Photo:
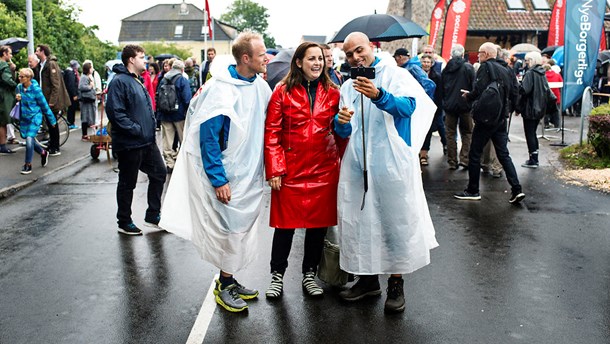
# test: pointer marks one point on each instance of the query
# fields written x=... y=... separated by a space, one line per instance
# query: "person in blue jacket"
x=403 y=59
x=33 y=106
x=129 y=109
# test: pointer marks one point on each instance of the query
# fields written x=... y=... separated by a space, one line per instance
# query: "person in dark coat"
x=458 y=75
x=129 y=109
x=54 y=90
x=532 y=104
x=71 y=79
x=172 y=123
x=496 y=132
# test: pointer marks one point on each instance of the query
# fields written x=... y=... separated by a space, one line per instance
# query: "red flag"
x=602 y=42
x=556 y=25
x=435 y=22
x=208 y=18
x=456 y=26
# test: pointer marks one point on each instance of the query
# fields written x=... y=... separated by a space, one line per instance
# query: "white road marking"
x=200 y=328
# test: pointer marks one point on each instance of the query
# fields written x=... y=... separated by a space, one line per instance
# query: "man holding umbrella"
x=390 y=231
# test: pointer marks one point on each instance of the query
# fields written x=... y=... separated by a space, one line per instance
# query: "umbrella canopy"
x=381 y=28
x=279 y=67
x=550 y=50
x=164 y=57
x=15 y=43
x=524 y=48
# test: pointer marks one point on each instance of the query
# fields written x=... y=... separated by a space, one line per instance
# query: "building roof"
x=494 y=15
x=159 y=23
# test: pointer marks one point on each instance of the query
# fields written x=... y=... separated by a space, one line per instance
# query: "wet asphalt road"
x=534 y=273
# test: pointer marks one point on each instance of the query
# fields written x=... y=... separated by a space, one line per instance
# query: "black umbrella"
x=279 y=67
x=550 y=50
x=381 y=28
x=15 y=43
x=164 y=57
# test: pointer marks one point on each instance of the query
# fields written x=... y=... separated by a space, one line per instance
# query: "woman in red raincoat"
x=302 y=163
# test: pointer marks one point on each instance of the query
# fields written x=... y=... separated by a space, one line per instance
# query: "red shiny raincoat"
x=302 y=147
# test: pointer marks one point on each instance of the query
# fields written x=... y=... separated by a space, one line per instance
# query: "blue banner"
x=583 y=27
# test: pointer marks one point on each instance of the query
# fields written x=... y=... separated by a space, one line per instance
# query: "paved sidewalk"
x=11 y=180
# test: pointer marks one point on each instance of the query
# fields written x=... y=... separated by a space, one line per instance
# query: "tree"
x=247 y=14
x=155 y=49
x=55 y=24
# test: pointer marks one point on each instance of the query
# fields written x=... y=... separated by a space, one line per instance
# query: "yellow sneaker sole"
x=229 y=308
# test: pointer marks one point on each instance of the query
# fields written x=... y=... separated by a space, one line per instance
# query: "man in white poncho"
x=215 y=195
x=389 y=231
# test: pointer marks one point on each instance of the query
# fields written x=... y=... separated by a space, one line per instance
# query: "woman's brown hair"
x=295 y=76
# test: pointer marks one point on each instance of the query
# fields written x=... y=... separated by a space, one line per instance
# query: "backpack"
x=489 y=107
x=167 y=98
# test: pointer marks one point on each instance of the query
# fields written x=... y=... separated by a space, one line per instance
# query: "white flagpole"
x=205 y=44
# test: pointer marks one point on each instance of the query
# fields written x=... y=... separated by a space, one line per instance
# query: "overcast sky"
x=288 y=20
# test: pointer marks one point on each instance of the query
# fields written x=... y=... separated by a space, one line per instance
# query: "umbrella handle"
x=364 y=171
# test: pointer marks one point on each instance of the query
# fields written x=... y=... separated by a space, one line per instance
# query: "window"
x=178 y=31
x=541 y=5
x=515 y=5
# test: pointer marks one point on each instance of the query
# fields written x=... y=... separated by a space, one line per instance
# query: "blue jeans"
x=499 y=137
x=30 y=146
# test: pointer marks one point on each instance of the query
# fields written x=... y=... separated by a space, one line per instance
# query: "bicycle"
x=43 y=133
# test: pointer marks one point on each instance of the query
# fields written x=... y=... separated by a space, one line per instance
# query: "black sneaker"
x=44 y=158
x=129 y=229
x=516 y=197
x=153 y=222
x=465 y=195
x=54 y=152
x=395 y=303
x=530 y=164
x=26 y=169
x=366 y=286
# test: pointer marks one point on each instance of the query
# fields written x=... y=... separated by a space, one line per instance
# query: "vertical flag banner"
x=208 y=20
x=602 y=43
x=583 y=28
x=556 y=25
x=435 y=22
x=456 y=26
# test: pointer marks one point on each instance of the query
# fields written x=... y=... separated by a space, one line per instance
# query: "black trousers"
x=529 y=128
x=148 y=160
x=282 y=243
x=71 y=115
x=53 y=133
x=499 y=137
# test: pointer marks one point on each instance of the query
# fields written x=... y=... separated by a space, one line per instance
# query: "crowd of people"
x=224 y=132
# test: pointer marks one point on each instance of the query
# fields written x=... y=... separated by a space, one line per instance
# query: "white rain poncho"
x=225 y=235
x=393 y=234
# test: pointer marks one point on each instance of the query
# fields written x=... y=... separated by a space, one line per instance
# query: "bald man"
x=390 y=231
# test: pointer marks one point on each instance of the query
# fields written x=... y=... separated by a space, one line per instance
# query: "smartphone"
x=367 y=72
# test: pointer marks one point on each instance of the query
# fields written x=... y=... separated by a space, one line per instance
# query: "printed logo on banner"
x=459 y=7
x=438 y=13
